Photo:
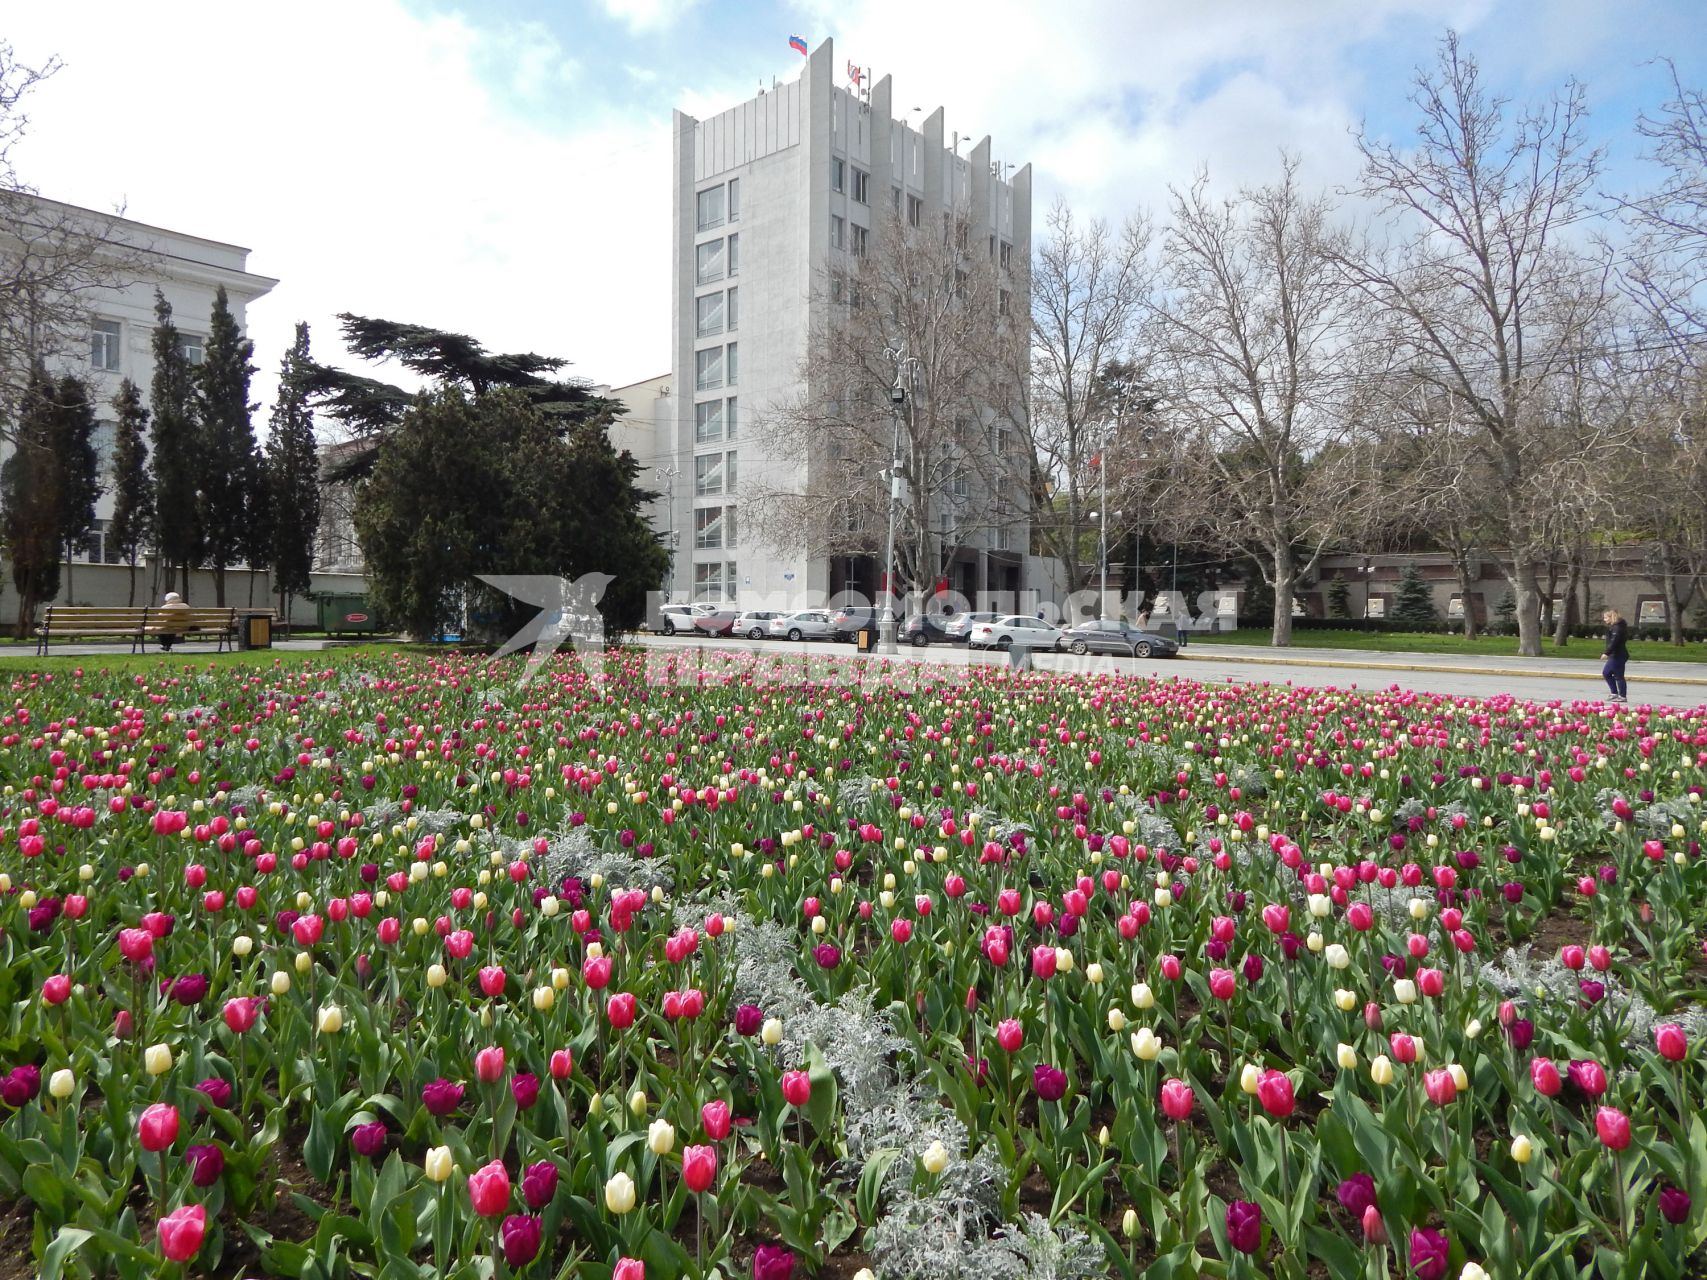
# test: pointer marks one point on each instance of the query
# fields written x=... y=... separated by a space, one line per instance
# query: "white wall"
x=109 y=584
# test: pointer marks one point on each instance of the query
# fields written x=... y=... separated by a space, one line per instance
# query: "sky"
x=502 y=168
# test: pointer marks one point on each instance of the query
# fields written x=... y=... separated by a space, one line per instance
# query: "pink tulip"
x=1177 y=1099
x=489 y=1189
x=181 y=1232
x=1671 y=1042
x=1613 y=1126
x=699 y=1168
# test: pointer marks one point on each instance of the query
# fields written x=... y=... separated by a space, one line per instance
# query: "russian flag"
x=798 y=44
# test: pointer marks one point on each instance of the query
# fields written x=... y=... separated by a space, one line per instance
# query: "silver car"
x=1014 y=632
x=808 y=624
x=755 y=624
x=959 y=627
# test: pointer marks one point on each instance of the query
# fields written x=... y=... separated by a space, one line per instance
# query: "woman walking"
x=1617 y=654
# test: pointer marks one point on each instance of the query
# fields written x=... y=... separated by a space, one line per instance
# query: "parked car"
x=1114 y=636
x=1015 y=631
x=922 y=629
x=680 y=616
x=958 y=629
x=808 y=624
x=755 y=624
x=719 y=620
x=849 y=622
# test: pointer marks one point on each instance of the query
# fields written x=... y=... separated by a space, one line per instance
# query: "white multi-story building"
x=765 y=193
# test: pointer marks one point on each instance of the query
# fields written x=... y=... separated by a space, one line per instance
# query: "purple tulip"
x=206 y=1164
x=1674 y=1205
x=520 y=1236
x=1429 y=1251
x=368 y=1139
x=216 y=1091
x=827 y=956
x=773 y=1262
x=1356 y=1194
x=23 y=1084
x=1050 y=1082
x=1522 y=1034
x=441 y=1097
x=748 y=1019
x=539 y=1184
x=524 y=1087
x=1244 y=1226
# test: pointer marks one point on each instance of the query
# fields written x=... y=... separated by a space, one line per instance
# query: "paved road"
x=1540 y=679
x=1543 y=679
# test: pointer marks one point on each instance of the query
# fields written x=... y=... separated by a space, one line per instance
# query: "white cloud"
x=363 y=155
x=648 y=15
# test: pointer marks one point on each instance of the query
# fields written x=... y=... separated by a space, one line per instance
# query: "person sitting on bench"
x=173 y=605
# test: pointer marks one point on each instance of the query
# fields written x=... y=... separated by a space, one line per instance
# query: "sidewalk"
x=1559 y=667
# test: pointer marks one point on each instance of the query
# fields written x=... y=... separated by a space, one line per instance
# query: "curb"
x=1417 y=666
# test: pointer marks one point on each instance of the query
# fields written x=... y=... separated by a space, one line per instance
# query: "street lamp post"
x=668 y=476
x=904 y=365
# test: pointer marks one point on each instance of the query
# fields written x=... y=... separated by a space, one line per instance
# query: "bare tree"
x=1090 y=289
x=1666 y=262
x=53 y=257
x=1489 y=297
x=1258 y=361
x=925 y=313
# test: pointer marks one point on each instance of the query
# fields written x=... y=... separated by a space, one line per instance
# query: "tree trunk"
x=1285 y=574
x=1568 y=613
x=219 y=585
x=1674 y=603
x=1526 y=592
x=184 y=570
x=130 y=596
x=251 y=588
x=70 y=582
x=1461 y=562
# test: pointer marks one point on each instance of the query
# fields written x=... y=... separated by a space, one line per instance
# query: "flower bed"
x=394 y=969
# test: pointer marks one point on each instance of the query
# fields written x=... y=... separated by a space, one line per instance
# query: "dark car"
x=1107 y=636
x=849 y=622
x=922 y=629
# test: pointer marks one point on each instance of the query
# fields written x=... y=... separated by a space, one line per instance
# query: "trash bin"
x=255 y=631
x=345 y=612
x=866 y=639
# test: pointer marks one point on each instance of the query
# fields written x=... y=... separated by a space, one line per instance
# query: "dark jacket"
x=1616 y=635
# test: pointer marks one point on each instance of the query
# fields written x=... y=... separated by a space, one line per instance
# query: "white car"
x=679 y=617
x=1014 y=632
x=755 y=623
x=808 y=624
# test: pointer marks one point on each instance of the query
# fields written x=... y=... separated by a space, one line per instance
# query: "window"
x=732 y=311
x=734 y=254
x=104 y=344
x=962 y=485
x=729 y=418
x=709 y=314
x=730 y=364
x=734 y=199
x=710 y=208
x=715 y=581
x=1004 y=302
x=729 y=471
x=1007 y=255
x=1003 y=442
x=1003 y=537
x=708 y=368
x=861 y=186
x=915 y=211
x=838 y=289
x=992 y=248
x=708 y=475
x=708 y=422
x=838 y=180
x=710 y=261
x=729 y=527
x=708 y=528
x=960 y=234
x=859 y=241
x=838 y=232
x=190 y=344
x=896 y=193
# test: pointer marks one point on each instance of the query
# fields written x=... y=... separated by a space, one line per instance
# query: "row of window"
x=717 y=312
x=717 y=258
x=715 y=367
x=843 y=236
x=715 y=581
x=716 y=205
x=714 y=528
x=714 y=420
x=839 y=171
x=714 y=474
x=106 y=348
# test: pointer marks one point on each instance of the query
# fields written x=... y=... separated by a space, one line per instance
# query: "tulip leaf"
x=871 y=1179
x=66 y=1243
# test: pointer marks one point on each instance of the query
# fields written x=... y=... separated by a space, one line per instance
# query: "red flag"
x=1097 y=461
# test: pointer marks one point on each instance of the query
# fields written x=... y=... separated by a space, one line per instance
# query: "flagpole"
x=1102 y=530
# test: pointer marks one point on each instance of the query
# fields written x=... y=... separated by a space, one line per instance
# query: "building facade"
x=768 y=196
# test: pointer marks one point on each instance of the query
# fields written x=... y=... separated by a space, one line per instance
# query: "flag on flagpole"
x=798 y=44
x=1097 y=461
x=855 y=73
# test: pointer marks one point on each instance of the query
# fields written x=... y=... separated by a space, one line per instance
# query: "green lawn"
x=120 y=660
x=1434 y=642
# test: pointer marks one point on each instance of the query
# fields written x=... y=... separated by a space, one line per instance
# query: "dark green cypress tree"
x=133 y=498
x=1339 y=597
x=228 y=441
x=293 y=476
x=175 y=455
x=30 y=501
x=79 y=467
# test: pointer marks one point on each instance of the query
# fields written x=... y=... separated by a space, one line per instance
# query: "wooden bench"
x=137 y=623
